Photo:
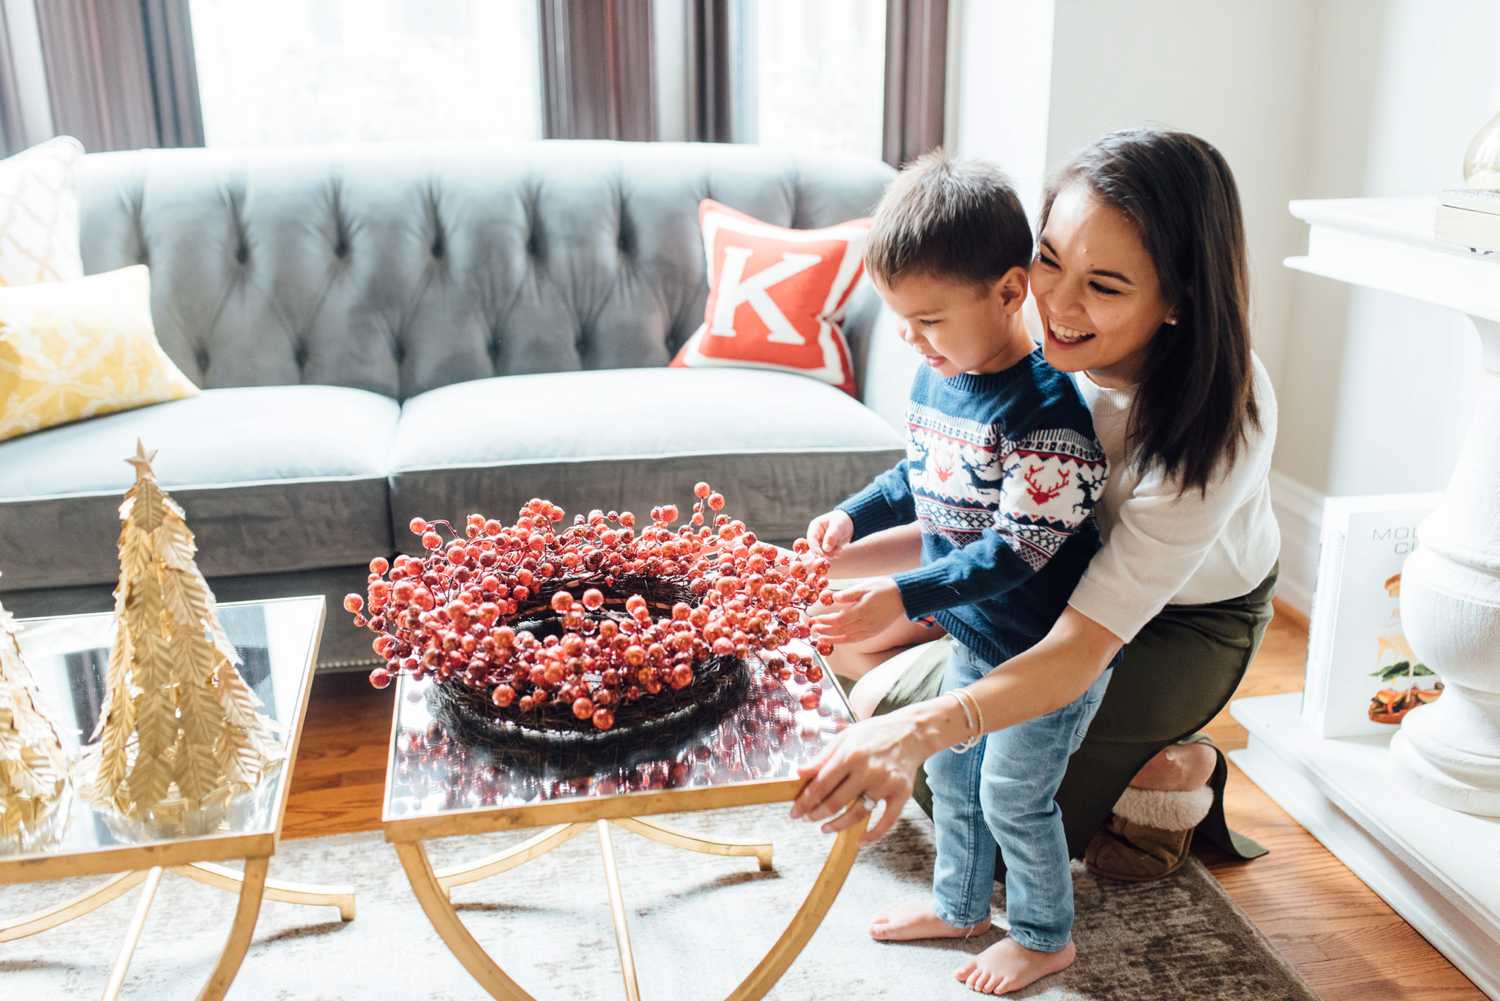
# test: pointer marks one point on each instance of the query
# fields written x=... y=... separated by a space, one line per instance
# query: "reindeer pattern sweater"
x=1002 y=470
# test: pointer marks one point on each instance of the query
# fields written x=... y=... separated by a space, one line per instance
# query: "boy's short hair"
x=959 y=220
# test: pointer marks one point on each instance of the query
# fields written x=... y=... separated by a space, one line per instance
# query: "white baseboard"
x=1433 y=866
x=1299 y=512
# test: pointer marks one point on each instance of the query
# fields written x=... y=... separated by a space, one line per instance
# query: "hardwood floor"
x=339 y=775
x=1337 y=933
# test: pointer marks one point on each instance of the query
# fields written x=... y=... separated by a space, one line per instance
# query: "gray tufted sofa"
x=383 y=332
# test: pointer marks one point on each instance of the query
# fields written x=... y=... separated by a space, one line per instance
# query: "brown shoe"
x=1149 y=834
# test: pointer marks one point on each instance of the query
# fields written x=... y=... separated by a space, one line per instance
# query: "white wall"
x=1375 y=389
x=1003 y=82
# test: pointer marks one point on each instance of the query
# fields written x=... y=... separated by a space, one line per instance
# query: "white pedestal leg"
x=1450 y=612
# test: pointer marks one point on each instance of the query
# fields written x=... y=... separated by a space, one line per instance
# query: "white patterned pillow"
x=39 y=214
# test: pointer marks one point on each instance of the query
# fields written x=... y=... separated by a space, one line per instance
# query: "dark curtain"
x=916 y=57
x=174 y=72
x=120 y=73
x=23 y=113
x=596 y=69
x=12 y=138
x=708 y=81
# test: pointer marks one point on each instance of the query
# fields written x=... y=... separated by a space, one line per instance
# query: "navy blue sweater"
x=1002 y=470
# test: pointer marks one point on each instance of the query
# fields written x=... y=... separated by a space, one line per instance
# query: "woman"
x=1140 y=282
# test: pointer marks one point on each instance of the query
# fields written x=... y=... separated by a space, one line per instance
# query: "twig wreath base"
x=719 y=684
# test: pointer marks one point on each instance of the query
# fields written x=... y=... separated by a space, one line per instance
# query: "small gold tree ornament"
x=180 y=737
x=33 y=764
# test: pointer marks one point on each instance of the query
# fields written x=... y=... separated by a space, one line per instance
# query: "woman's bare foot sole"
x=917 y=921
x=1009 y=966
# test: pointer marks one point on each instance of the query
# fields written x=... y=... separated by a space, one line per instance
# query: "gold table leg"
x=223 y=878
x=80 y=905
x=132 y=935
x=617 y=912
x=252 y=886
x=472 y=872
x=807 y=919
x=761 y=850
x=445 y=921
x=432 y=893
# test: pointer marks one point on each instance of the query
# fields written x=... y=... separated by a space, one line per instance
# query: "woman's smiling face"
x=1096 y=289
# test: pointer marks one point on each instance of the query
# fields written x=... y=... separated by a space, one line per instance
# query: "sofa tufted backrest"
x=400 y=269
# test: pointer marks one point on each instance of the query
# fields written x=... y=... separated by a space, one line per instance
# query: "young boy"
x=1001 y=473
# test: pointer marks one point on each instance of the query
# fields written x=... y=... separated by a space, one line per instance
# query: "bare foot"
x=913 y=921
x=1009 y=966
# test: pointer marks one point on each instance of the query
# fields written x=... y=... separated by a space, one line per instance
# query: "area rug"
x=699 y=923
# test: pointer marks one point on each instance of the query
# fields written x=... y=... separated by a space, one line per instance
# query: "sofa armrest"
x=883 y=365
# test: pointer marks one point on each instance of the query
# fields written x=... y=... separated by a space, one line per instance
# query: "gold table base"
x=433 y=889
x=251 y=885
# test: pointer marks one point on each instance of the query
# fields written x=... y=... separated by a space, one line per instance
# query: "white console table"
x=1416 y=816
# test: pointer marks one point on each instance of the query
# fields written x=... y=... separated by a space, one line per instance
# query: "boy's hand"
x=830 y=532
x=860 y=612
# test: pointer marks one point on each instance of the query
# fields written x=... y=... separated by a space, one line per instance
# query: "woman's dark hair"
x=1196 y=393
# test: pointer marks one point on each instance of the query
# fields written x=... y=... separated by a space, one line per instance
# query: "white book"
x=1362 y=676
x=1479 y=231
x=1472 y=200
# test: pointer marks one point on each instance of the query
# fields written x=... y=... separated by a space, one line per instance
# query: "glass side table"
x=68 y=656
x=439 y=785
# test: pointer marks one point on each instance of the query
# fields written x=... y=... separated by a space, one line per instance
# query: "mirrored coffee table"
x=68 y=656
x=438 y=785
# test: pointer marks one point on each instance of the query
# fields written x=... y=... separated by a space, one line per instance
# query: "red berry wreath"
x=568 y=629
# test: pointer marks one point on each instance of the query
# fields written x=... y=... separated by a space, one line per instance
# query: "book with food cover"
x=1362 y=676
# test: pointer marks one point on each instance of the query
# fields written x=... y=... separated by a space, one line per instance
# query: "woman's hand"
x=860 y=612
x=831 y=532
x=876 y=758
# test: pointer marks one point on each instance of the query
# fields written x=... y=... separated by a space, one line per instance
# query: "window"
x=277 y=72
x=816 y=76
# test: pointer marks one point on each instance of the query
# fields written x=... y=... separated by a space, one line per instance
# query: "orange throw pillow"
x=776 y=295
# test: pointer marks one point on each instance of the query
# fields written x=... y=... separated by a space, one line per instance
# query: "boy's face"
x=956 y=326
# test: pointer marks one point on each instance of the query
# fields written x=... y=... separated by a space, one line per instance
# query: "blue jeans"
x=1001 y=793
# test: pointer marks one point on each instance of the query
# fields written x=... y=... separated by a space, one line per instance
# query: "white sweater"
x=1162 y=549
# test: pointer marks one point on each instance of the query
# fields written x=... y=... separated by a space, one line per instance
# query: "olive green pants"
x=1176 y=675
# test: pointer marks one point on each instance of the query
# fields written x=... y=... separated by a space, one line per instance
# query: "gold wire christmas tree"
x=180 y=731
x=33 y=765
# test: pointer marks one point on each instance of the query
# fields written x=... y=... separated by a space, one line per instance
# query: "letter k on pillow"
x=776 y=295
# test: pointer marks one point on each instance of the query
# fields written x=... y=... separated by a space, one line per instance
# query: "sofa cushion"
x=272 y=479
x=39 y=213
x=782 y=448
x=777 y=296
x=70 y=350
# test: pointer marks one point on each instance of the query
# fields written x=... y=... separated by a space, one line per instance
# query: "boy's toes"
x=962 y=973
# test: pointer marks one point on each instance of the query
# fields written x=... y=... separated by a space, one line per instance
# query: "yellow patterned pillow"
x=39 y=214
x=70 y=350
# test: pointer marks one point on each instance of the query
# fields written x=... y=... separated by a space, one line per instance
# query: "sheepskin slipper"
x=1149 y=834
